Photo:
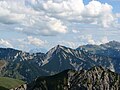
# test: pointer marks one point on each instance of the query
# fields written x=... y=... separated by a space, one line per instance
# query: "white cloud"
x=75 y=31
x=25 y=17
x=8 y=15
x=64 y=6
x=28 y=43
x=118 y=15
x=30 y=40
x=104 y=40
x=99 y=13
x=50 y=17
x=75 y=10
x=45 y=25
x=35 y=41
x=5 y=43
x=89 y=39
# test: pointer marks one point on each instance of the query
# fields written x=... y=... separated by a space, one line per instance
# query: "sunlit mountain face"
x=73 y=43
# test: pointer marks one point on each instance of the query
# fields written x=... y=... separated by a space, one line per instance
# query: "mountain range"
x=28 y=66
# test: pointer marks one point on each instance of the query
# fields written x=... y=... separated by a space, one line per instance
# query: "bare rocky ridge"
x=96 y=78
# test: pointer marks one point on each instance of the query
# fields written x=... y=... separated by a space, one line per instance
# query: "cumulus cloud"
x=75 y=10
x=104 y=40
x=89 y=39
x=75 y=31
x=118 y=15
x=44 y=26
x=30 y=40
x=25 y=17
x=64 y=6
x=28 y=43
x=99 y=13
x=50 y=17
x=5 y=43
x=35 y=41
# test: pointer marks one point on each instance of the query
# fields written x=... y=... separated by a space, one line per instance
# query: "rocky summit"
x=96 y=78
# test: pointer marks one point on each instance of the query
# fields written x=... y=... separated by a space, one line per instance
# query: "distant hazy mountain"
x=111 y=49
x=27 y=66
x=96 y=78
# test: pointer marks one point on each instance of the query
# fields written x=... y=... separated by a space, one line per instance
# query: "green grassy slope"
x=8 y=83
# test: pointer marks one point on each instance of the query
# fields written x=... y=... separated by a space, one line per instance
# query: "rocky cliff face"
x=96 y=78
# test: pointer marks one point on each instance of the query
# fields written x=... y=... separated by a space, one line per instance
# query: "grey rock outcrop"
x=96 y=78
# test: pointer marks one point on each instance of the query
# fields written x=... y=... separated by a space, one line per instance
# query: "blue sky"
x=30 y=24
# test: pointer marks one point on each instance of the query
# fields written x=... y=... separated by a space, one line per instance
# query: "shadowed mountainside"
x=96 y=78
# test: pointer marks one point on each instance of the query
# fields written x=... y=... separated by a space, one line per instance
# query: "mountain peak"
x=56 y=48
x=112 y=44
x=59 y=46
x=114 y=41
x=52 y=52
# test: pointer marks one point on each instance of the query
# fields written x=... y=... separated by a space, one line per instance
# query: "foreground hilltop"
x=8 y=83
x=96 y=78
